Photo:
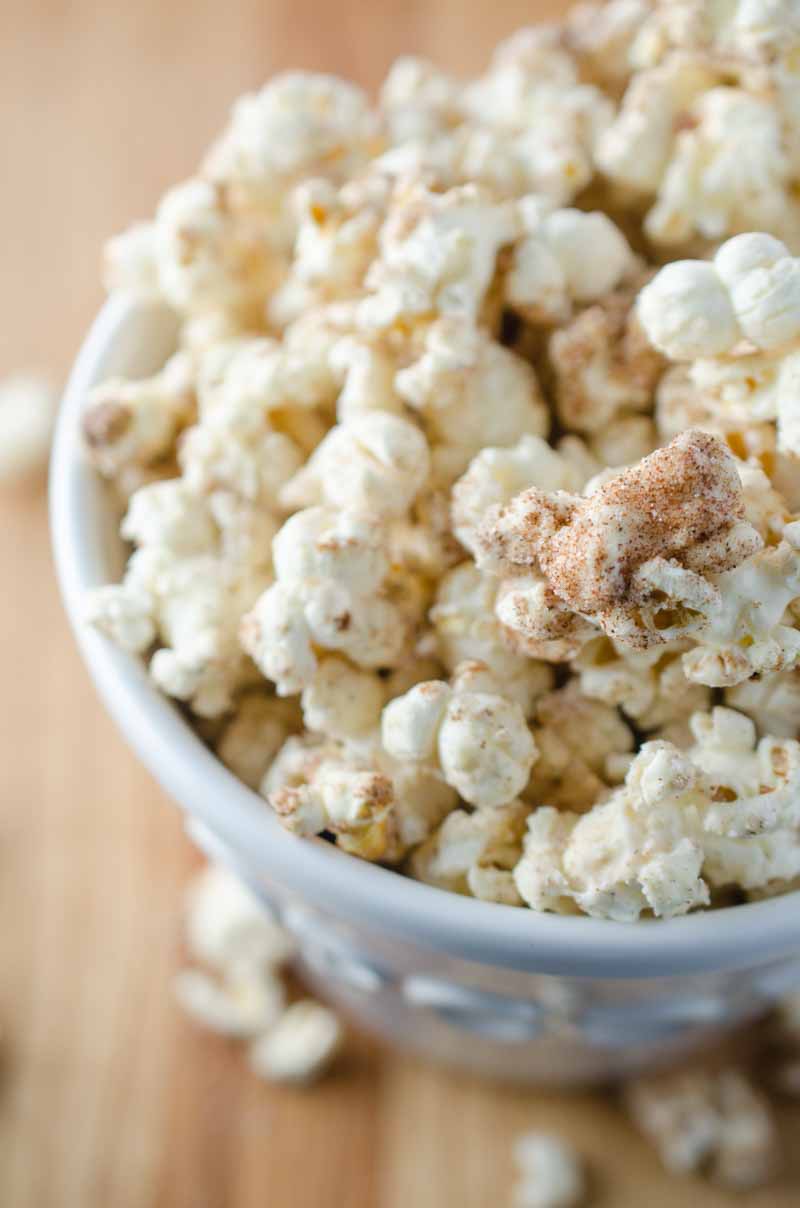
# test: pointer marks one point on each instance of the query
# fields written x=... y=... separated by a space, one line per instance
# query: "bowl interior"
x=133 y=339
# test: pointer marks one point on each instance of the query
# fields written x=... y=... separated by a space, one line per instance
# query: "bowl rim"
x=379 y=898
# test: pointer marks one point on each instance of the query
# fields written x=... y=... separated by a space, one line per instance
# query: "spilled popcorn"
x=27 y=415
x=465 y=516
x=237 y=989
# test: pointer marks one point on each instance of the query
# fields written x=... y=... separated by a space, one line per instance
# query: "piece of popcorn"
x=376 y=807
x=245 y=1004
x=374 y=462
x=566 y=257
x=754 y=787
x=301 y=1045
x=550 y=1172
x=208 y=254
x=707 y=1121
x=123 y=613
x=454 y=386
x=228 y=929
x=28 y=407
x=773 y=702
x=496 y=475
x=634 y=852
x=467 y=630
x=474 y=853
x=532 y=96
x=366 y=371
x=130 y=262
x=601 y=37
x=634 y=150
x=755 y=28
x=438 y=255
x=604 y=366
x=134 y=424
x=578 y=740
x=254 y=734
x=299 y=125
x=649 y=685
x=337 y=238
x=634 y=555
x=418 y=101
x=705 y=128
x=333 y=593
x=672 y=832
x=476 y=737
x=717 y=183
x=188 y=585
x=535 y=623
x=342 y=701
x=423 y=542
x=626 y=440
x=747 y=632
x=747 y=383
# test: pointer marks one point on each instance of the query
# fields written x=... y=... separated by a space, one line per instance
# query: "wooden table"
x=108 y=1098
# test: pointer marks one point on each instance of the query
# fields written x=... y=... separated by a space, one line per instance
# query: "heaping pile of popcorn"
x=465 y=515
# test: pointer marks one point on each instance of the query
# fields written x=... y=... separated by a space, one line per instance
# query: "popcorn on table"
x=27 y=414
x=550 y=1173
x=707 y=1120
x=237 y=990
x=462 y=500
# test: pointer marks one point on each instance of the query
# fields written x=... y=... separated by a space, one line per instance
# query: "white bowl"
x=505 y=990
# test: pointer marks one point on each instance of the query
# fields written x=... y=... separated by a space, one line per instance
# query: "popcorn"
x=467 y=630
x=601 y=36
x=682 y=823
x=436 y=424
x=455 y=385
x=375 y=462
x=705 y=129
x=496 y=475
x=254 y=734
x=604 y=366
x=745 y=635
x=532 y=96
x=133 y=425
x=649 y=685
x=227 y=928
x=27 y=415
x=333 y=592
x=341 y=701
x=755 y=787
x=205 y=257
x=626 y=576
x=130 y=262
x=705 y=1120
x=580 y=743
x=187 y=586
x=551 y=1175
x=474 y=853
x=375 y=806
x=299 y=125
x=301 y=1045
x=245 y=1006
x=773 y=702
x=438 y=255
x=477 y=738
x=566 y=257
x=632 y=853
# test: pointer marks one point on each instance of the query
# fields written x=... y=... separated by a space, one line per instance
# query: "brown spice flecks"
x=682 y=496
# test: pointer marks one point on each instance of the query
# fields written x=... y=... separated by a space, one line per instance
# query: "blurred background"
x=109 y=1097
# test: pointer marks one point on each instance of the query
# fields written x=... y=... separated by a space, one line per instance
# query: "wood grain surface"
x=108 y=1097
